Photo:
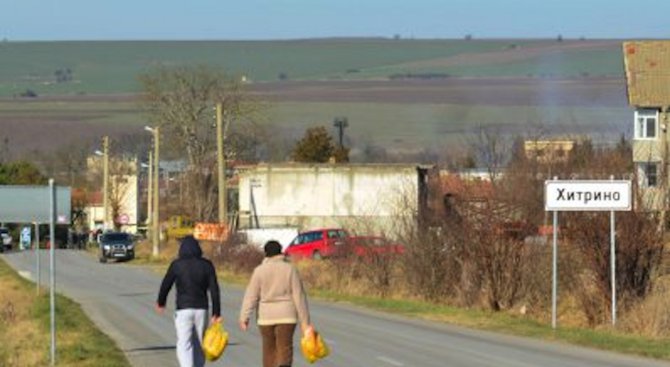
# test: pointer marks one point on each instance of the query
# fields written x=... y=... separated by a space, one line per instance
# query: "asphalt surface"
x=120 y=297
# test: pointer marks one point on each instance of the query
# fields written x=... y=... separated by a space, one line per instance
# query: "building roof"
x=333 y=166
x=465 y=186
x=647 y=66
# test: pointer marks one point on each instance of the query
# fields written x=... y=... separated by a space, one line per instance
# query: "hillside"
x=111 y=67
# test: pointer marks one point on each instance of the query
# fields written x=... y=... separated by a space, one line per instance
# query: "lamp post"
x=155 y=218
x=221 y=166
x=105 y=180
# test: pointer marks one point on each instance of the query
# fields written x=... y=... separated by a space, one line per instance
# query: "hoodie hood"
x=189 y=248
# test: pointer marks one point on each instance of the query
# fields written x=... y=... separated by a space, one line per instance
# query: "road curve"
x=119 y=298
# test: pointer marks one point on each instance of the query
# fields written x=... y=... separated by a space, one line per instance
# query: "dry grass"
x=17 y=328
x=24 y=329
x=651 y=317
x=168 y=251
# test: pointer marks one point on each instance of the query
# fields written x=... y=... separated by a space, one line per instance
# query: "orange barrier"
x=210 y=232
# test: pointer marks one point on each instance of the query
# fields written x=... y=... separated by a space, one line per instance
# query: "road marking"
x=390 y=361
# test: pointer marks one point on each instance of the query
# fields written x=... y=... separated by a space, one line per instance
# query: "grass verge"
x=24 y=329
x=611 y=340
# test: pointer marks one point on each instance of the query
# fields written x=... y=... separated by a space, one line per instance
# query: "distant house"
x=647 y=66
x=360 y=197
x=549 y=150
x=123 y=195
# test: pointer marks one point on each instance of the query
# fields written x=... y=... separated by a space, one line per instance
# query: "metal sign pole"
x=613 y=265
x=52 y=269
x=38 y=272
x=613 y=262
x=554 y=282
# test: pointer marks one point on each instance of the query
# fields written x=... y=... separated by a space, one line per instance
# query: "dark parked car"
x=116 y=245
x=5 y=240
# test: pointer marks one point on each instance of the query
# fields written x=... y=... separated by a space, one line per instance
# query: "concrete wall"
x=363 y=198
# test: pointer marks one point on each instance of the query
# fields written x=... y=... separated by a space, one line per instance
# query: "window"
x=646 y=124
x=110 y=237
x=336 y=233
x=648 y=174
x=311 y=237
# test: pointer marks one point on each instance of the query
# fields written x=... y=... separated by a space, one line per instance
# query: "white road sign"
x=587 y=195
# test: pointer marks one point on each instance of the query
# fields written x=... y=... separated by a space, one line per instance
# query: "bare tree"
x=123 y=174
x=181 y=100
x=492 y=149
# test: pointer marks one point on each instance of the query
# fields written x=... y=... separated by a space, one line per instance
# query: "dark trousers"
x=277 y=345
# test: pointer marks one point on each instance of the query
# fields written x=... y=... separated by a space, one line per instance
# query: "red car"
x=317 y=244
x=329 y=242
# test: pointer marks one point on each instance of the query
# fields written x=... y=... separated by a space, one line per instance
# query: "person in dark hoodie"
x=194 y=276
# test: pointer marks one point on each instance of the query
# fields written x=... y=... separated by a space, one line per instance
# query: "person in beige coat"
x=276 y=293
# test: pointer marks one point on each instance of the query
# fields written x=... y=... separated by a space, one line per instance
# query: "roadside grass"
x=606 y=339
x=25 y=325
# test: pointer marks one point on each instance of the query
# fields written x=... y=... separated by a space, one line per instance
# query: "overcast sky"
x=289 y=19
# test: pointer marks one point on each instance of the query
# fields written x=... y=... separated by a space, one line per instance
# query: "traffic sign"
x=587 y=195
x=123 y=219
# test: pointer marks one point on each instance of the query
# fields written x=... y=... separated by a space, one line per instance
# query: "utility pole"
x=155 y=218
x=221 y=166
x=105 y=183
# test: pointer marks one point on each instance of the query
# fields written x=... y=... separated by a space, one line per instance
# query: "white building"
x=367 y=198
x=123 y=196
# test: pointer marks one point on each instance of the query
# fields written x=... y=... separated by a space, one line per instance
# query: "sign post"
x=52 y=267
x=586 y=195
x=39 y=205
x=37 y=257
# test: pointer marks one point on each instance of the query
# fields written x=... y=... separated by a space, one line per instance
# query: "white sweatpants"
x=190 y=324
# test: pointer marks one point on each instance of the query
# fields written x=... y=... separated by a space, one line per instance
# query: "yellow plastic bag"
x=313 y=347
x=214 y=342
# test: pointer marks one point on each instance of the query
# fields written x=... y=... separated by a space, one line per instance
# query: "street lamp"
x=105 y=180
x=155 y=218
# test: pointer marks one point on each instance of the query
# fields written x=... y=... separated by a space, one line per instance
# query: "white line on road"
x=390 y=361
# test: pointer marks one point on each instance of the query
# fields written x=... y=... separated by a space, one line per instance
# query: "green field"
x=112 y=67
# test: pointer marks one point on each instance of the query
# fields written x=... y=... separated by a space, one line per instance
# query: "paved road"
x=120 y=297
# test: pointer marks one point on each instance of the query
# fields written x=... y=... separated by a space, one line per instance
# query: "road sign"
x=123 y=219
x=587 y=195
x=30 y=204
